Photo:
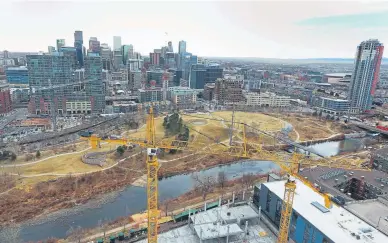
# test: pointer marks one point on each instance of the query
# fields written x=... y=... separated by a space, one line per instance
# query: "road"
x=14 y=115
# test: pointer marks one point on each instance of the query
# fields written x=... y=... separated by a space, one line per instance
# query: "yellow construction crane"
x=244 y=150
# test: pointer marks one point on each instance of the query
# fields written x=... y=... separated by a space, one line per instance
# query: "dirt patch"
x=198 y=122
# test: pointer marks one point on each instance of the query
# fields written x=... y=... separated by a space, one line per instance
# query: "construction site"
x=227 y=223
x=187 y=142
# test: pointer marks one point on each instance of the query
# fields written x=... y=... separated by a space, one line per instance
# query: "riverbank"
x=48 y=197
x=191 y=199
x=51 y=196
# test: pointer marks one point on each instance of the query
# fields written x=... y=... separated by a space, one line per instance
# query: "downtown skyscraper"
x=365 y=75
x=78 y=44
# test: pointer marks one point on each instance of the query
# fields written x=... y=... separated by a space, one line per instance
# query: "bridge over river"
x=369 y=128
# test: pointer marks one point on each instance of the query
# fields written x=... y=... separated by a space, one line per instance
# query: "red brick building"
x=5 y=99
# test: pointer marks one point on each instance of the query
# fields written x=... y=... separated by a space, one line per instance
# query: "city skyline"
x=302 y=29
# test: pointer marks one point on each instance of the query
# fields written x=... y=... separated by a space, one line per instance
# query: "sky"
x=266 y=29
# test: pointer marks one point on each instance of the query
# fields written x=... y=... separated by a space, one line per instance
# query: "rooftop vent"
x=322 y=208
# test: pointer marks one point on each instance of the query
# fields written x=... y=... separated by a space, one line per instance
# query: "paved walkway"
x=74 y=174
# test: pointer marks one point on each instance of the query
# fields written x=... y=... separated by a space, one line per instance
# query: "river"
x=133 y=199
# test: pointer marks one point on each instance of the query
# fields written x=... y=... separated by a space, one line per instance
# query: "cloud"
x=364 y=20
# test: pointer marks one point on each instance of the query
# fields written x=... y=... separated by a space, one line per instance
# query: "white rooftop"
x=338 y=224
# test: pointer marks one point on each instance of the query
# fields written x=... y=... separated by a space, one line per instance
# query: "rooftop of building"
x=150 y=89
x=335 y=99
x=4 y=85
x=210 y=85
x=20 y=68
x=337 y=75
x=265 y=94
x=323 y=84
x=329 y=177
x=336 y=223
x=372 y=211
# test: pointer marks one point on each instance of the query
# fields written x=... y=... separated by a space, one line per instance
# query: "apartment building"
x=266 y=99
x=229 y=91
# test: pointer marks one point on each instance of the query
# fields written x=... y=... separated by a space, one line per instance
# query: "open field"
x=257 y=120
x=56 y=167
x=214 y=130
x=310 y=128
x=56 y=161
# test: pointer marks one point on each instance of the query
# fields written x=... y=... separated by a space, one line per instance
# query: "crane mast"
x=285 y=219
x=152 y=180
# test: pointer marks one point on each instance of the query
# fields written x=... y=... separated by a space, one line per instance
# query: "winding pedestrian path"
x=38 y=161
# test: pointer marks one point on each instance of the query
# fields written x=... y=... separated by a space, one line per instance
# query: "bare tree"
x=204 y=185
x=221 y=181
x=248 y=180
x=165 y=205
x=75 y=234
x=102 y=226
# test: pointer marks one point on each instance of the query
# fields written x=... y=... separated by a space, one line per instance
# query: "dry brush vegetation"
x=65 y=192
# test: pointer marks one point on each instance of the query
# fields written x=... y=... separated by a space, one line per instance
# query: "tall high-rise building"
x=116 y=43
x=213 y=72
x=78 y=44
x=365 y=75
x=94 y=45
x=155 y=57
x=67 y=96
x=50 y=49
x=60 y=43
x=117 y=53
x=45 y=71
x=5 y=54
x=197 y=76
x=182 y=47
x=170 y=48
x=96 y=90
x=127 y=53
x=106 y=55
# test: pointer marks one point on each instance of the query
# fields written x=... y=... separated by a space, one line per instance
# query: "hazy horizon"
x=273 y=29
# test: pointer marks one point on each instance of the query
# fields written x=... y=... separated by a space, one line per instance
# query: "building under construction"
x=229 y=91
x=229 y=223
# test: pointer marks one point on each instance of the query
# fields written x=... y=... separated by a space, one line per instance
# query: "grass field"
x=62 y=164
x=217 y=130
x=209 y=131
x=257 y=120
